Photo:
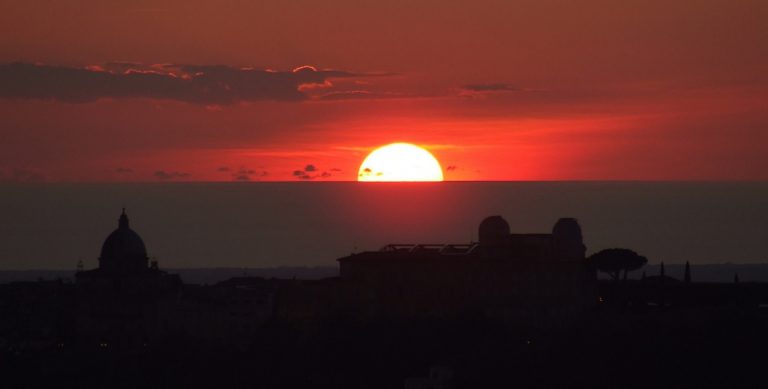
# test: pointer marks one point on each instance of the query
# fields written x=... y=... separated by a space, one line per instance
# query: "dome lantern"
x=123 y=221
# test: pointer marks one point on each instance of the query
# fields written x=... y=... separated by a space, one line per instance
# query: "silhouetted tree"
x=613 y=261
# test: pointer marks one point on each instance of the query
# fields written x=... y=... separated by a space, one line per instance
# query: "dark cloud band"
x=188 y=83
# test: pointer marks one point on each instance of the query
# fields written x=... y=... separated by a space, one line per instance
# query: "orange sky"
x=497 y=90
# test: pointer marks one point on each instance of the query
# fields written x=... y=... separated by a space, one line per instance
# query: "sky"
x=148 y=91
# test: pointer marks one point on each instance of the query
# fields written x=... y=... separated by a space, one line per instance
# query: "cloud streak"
x=165 y=176
x=496 y=87
x=218 y=85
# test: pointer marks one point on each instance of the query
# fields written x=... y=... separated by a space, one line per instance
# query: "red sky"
x=497 y=90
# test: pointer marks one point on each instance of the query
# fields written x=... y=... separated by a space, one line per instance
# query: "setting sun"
x=400 y=162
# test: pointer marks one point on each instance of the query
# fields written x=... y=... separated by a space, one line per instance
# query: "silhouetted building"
x=503 y=275
x=124 y=265
x=118 y=303
x=229 y=312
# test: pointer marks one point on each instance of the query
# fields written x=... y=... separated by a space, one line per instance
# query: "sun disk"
x=400 y=162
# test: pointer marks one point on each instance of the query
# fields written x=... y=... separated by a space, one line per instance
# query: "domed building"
x=124 y=263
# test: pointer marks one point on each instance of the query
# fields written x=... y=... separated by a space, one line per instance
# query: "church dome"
x=493 y=231
x=123 y=250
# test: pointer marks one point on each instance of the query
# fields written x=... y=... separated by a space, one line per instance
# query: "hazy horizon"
x=193 y=225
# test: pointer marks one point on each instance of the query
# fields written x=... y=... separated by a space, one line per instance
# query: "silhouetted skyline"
x=507 y=309
x=52 y=226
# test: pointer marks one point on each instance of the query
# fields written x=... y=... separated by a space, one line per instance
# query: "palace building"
x=505 y=275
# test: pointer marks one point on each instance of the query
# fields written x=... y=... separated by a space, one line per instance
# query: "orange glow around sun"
x=400 y=162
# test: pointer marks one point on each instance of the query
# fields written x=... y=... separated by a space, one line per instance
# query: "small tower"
x=493 y=235
x=687 y=275
x=493 y=232
x=567 y=239
x=79 y=266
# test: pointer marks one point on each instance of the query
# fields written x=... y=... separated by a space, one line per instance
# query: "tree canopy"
x=614 y=261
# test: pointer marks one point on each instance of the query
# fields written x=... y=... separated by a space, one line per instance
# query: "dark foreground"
x=611 y=348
